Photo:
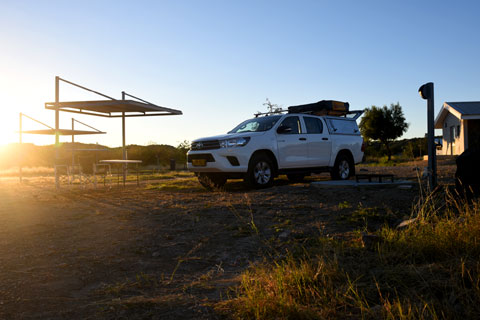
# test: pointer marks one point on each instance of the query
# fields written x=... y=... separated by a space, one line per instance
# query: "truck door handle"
x=303 y=139
x=325 y=139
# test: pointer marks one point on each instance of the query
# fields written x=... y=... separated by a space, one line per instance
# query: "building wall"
x=453 y=136
x=472 y=133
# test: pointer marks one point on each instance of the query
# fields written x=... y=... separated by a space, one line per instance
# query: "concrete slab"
x=353 y=184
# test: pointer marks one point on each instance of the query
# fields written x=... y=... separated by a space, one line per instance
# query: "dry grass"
x=27 y=171
x=429 y=270
x=169 y=249
x=180 y=184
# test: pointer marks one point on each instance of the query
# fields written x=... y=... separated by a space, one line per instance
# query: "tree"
x=272 y=107
x=383 y=124
x=183 y=147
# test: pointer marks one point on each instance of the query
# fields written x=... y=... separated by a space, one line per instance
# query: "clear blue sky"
x=218 y=61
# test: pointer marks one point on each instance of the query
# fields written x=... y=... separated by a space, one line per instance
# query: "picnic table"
x=124 y=164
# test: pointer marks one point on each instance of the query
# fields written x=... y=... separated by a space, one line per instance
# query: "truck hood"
x=231 y=136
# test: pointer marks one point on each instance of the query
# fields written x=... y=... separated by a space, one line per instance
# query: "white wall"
x=453 y=145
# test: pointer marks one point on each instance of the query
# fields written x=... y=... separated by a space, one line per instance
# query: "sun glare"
x=8 y=130
x=9 y=127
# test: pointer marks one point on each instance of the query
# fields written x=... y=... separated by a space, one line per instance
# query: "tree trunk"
x=389 y=152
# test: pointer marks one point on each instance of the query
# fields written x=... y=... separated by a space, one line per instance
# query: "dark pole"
x=427 y=92
x=432 y=156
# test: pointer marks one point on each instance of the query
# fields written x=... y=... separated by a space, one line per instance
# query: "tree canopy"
x=383 y=124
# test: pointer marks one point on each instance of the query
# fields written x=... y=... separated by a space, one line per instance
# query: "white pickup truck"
x=295 y=144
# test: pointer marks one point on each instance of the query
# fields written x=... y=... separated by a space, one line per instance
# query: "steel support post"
x=73 y=142
x=21 y=149
x=57 y=127
x=124 y=148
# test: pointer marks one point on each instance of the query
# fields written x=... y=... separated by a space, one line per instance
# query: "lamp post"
x=426 y=92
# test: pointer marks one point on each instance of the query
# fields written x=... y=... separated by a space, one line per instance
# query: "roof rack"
x=276 y=111
x=331 y=108
x=353 y=114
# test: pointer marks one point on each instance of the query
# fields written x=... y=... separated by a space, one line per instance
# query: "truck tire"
x=260 y=172
x=343 y=168
x=211 y=181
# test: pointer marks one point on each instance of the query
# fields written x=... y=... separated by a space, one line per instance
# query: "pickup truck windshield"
x=256 y=124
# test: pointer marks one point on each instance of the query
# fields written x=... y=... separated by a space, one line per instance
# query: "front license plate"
x=199 y=162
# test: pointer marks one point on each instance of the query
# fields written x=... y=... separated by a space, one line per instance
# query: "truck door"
x=319 y=142
x=292 y=144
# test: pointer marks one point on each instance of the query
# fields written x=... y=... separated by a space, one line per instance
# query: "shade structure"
x=112 y=108
x=57 y=133
x=62 y=132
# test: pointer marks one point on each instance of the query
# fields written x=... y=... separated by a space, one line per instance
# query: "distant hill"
x=30 y=155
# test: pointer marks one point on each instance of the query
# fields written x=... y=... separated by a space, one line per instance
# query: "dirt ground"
x=167 y=249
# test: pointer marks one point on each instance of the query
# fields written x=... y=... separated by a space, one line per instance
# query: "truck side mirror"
x=284 y=129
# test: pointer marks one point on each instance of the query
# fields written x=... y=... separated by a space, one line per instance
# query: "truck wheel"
x=211 y=181
x=343 y=168
x=260 y=172
x=296 y=177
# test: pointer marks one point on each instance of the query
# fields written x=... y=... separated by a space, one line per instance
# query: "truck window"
x=256 y=124
x=340 y=126
x=314 y=125
x=294 y=123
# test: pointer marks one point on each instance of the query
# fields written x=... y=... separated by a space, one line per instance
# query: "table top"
x=121 y=161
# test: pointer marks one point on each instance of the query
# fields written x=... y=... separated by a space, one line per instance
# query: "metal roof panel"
x=110 y=108
x=62 y=132
x=466 y=108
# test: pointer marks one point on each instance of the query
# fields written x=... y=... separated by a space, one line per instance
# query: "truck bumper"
x=221 y=160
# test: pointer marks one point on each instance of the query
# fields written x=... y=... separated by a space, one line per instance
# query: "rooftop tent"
x=330 y=107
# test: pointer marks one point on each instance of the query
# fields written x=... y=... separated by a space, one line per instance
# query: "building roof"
x=466 y=108
x=462 y=110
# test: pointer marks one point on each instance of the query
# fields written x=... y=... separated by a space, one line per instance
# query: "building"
x=460 y=124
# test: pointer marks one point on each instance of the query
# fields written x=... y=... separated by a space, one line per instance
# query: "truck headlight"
x=235 y=142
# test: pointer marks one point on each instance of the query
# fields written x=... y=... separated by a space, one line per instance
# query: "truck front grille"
x=206 y=145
